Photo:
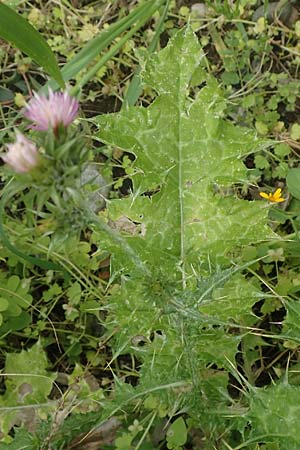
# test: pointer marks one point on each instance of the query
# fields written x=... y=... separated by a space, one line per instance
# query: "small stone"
x=199 y=9
x=286 y=13
x=96 y=199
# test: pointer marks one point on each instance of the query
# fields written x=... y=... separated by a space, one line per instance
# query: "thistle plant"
x=182 y=305
x=188 y=298
x=51 y=162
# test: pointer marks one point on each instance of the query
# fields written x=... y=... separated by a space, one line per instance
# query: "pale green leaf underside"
x=27 y=383
x=274 y=416
x=184 y=151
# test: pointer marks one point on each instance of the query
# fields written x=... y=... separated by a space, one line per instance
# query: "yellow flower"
x=274 y=198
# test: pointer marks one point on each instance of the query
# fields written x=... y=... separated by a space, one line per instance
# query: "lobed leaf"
x=185 y=153
x=292 y=180
x=274 y=416
x=291 y=323
x=173 y=239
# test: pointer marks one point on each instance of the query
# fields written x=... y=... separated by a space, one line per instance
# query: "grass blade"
x=135 y=88
x=90 y=51
x=15 y=29
x=111 y=52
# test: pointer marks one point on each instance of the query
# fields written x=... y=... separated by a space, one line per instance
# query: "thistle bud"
x=22 y=156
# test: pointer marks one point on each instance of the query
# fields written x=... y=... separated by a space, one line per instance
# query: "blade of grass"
x=15 y=29
x=113 y=50
x=135 y=88
x=90 y=51
x=94 y=47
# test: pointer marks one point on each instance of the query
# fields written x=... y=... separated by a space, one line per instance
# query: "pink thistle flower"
x=22 y=155
x=52 y=111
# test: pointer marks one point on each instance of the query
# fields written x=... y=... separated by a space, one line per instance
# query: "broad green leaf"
x=124 y=441
x=186 y=354
x=185 y=153
x=27 y=383
x=282 y=150
x=177 y=434
x=3 y=304
x=261 y=127
x=74 y=293
x=295 y=131
x=274 y=416
x=179 y=215
x=6 y=94
x=293 y=182
x=233 y=301
x=291 y=323
x=15 y=29
x=15 y=323
x=13 y=3
x=173 y=239
x=23 y=440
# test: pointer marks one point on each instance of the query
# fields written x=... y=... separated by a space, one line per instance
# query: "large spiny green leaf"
x=291 y=323
x=274 y=416
x=178 y=220
x=185 y=152
x=179 y=298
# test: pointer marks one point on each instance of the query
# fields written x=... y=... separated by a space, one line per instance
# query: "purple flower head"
x=22 y=155
x=51 y=111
